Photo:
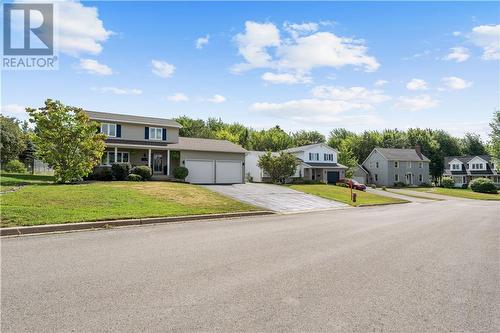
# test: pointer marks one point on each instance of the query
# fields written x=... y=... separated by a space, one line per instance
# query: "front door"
x=158 y=163
x=409 y=179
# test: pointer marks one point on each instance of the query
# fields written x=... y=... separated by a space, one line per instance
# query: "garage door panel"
x=200 y=171
x=228 y=172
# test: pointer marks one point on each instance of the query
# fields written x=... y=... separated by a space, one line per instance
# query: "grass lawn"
x=458 y=192
x=47 y=204
x=343 y=194
x=408 y=194
x=10 y=180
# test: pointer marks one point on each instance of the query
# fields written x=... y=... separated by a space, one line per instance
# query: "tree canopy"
x=13 y=141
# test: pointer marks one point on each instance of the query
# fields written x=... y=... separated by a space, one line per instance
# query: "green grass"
x=406 y=193
x=458 y=192
x=48 y=204
x=343 y=194
x=11 y=180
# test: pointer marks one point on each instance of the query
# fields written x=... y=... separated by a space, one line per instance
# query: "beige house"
x=155 y=142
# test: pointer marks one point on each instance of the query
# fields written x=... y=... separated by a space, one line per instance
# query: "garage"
x=200 y=171
x=333 y=177
x=228 y=172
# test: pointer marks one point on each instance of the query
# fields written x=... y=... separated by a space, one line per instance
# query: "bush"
x=103 y=173
x=465 y=186
x=425 y=185
x=483 y=185
x=447 y=182
x=399 y=184
x=143 y=171
x=120 y=171
x=373 y=186
x=15 y=166
x=134 y=177
x=180 y=172
x=384 y=188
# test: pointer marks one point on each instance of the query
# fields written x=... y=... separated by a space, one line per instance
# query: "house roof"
x=465 y=159
x=125 y=118
x=303 y=148
x=211 y=145
x=395 y=154
x=362 y=168
x=325 y=165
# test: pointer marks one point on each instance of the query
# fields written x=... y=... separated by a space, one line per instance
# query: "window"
x=396 y=164
x=108 y=157
x=313 y=156
x=420 y=165
x=376 y=177
x=376 y=164
x=420 y=178
x=408 y=165
x=455 y=167
x=396 y=178
x=108 y=129
x=477 y=166
x=155 y=133
x=328 y=157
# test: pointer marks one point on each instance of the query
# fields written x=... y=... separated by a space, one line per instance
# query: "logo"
x=28 y=36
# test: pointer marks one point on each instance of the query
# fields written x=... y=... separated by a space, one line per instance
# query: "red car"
x=355 y=185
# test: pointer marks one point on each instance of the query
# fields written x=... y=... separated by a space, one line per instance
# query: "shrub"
x=134 y=177
x=384 y=188
x=447 y=182
x=120 y=171
x=425 y=185
x=373 y=186
x=280 y=167
x=180 y=172
x=103 y=173
x=483 y=185
x=143 y=171
x=15 y=166
x=465 y=186
x=399 y=184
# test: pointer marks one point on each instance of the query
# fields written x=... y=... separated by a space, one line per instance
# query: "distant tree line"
x=353 y=147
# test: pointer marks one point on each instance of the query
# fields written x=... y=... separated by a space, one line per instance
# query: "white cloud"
x=178 y=97
x=217 y=99
x=14 y=110
x=456 y=33
x=202 y=41
x=307 y=50
x=162 y=68
x=357 y=94
x=416 y=84
x=297 y=29
x=458 y=54
x=80 y=29
x=455 y=83
x=380 y=83
x=488 y=38
x=285 y=78
x=416 y=103
x=94 y=67
x=117 y=91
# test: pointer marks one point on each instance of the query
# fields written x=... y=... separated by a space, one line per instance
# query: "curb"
x=17 y=231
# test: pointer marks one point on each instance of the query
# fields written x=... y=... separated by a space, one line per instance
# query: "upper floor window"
x=155 y=133
x=396 y=164
x=108 y=129
x=477 y=166
x=455 y=167
x=313 y=156
x=328 y=157
x=376 y=164
x=420 y=165
x=408 y=165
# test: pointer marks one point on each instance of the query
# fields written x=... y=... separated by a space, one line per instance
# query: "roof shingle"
x=394 y=154
x=207 y=145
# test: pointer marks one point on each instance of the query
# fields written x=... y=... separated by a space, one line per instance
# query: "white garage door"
x=228 y=172
x=200 y=171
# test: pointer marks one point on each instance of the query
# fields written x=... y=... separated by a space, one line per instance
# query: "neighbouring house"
x=318 y=162
x=155 y=142
x=390 y=166
x=463 y=169
x=360 y=174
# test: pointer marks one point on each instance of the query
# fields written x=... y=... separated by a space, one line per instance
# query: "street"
x=419 y=267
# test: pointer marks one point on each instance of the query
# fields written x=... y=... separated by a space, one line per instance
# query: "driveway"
x=397 y=268
x=277 y=198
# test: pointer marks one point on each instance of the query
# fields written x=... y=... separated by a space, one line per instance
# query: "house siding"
x=135 y=132
x=382 y=171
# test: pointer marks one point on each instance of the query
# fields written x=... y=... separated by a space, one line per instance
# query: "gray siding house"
x=155 y=142
x=388 y=166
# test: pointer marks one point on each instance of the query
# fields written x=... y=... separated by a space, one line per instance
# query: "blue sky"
x=298 y=65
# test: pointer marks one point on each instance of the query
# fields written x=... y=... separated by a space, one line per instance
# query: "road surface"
x=419 y=267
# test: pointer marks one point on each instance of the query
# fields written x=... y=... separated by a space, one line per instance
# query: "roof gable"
x=397 y=154
x=309 y=147
x=125 y=118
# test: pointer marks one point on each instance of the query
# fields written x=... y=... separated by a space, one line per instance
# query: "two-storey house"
x=463 y=169
x=389 y=166
x=155 y=142
x=318 y=162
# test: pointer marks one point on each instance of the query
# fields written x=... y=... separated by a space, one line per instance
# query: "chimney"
x=418 y=149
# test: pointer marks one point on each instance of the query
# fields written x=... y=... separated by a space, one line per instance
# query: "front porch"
x=324 y=174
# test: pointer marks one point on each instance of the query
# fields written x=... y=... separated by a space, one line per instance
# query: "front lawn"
x=47 y=204
x=10 y=180
x=458 y=192
x=343 y=194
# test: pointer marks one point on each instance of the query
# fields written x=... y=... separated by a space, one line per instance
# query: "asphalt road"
x=420 y=267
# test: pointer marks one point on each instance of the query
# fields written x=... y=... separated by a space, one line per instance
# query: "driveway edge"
x=17 y=231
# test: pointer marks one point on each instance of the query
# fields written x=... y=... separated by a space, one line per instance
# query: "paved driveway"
x=277 y=198
x=398 y=268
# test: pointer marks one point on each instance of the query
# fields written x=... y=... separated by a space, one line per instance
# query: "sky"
x=313 y=66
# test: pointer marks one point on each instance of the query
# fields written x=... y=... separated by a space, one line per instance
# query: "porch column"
x=168 y=162
x=149 y=157
x=116 y=154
